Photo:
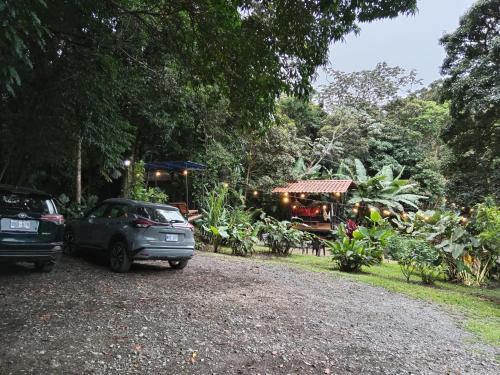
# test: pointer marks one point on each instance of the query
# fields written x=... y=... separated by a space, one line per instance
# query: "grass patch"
x=481 y=306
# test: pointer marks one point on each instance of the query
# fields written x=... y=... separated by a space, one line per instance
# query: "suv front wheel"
x=119 y=259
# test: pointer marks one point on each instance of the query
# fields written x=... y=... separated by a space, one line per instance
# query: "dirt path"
x=220 y=315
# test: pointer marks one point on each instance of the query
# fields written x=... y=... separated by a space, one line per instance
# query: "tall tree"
x=111 y=70
x=473 y=88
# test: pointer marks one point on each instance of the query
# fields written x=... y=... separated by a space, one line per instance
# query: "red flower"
x=350 y=227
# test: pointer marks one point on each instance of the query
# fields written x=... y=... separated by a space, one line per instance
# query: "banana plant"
x=381 y=190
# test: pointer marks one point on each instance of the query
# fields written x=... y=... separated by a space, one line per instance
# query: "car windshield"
x=161 y=215
x=11 y=201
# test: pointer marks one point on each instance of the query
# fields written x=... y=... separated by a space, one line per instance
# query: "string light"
x=373 y=209
x=463 y=219
x=294 y=207
x=225 y=184
x=185 y=172
x=324 y=207
x=356 y=204
x=337 y=194
x=285 y=194
x=302 y=196
x=158 y=174
x=355 y=210
x=255 y=193
x=386 y=212
x=471 y=210
x=286 y=199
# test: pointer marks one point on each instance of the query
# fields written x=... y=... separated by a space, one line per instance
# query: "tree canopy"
x=473 y=87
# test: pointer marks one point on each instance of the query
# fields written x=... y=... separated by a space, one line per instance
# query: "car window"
x=11 y=201
x=161 y=215
x=117 y=211
x=99 y=211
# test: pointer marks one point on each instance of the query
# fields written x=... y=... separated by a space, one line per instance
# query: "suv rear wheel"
x=119 y=259
x=178 y=264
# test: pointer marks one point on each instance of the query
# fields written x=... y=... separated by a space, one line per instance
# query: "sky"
x=411 y=42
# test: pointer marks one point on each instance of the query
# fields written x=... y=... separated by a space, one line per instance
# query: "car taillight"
x=142 y=223
x=57 y=219
x=184 y=225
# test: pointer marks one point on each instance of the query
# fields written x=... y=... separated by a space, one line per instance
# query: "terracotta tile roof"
x=315 y=186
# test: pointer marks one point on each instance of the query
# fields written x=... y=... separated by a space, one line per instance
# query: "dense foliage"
x=350 y=253
x=85 y=84
x=472 y=86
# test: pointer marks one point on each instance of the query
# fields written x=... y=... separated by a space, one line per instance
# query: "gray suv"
x=131 y=230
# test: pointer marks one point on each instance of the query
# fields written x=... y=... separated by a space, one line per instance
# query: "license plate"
x=24 y=225
x=172 y=237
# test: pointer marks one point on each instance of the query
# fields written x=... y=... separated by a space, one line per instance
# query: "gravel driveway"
x=220 y=315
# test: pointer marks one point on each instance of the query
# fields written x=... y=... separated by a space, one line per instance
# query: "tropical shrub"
x=150 y=194
x=215 y=217
x=481 y=261
x=73 y=210
x=415 y=255
x=399 y=248
x=242 y=238
x=443 y=230
x=280 y=236
x=376 y=234
x=427 y=260
x=350 y=254
x=140 y=192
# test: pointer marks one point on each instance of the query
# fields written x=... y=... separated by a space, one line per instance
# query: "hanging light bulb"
x=302 y=195
x=157 y=173
x=337 y=194
x=185 y=172
x=255 y=193
x=324 y=207
x=355 y=210
x=286 y=199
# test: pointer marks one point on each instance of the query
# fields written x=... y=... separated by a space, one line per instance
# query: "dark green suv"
x=31 y=229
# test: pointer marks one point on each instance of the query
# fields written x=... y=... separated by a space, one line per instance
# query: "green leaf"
x=375 y=216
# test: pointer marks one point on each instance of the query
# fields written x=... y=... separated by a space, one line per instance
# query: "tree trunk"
x=249 y=172
x=78 y=180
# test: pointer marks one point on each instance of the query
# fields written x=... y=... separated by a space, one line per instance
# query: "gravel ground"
x=221 y=315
